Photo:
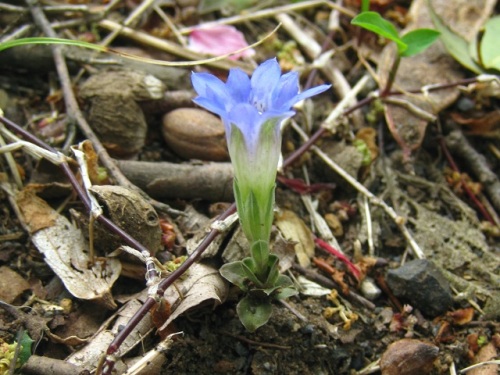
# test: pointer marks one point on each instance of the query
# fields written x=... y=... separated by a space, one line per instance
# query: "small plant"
x=409 y=44
x=252 y=111
x=482 y=54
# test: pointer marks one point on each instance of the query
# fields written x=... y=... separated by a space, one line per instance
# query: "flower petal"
x=263 y=82
x=219 y=40
x=211 y=106
x=238 y=85
x=306 y=94
x=287 y=89
x=201 y=81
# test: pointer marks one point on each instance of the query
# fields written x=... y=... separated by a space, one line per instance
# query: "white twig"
x=369 y=226
x=224 y=225
x=152 y=355
x=399 y=220
x=271 y=12
x=345 y=103
x=495 y=362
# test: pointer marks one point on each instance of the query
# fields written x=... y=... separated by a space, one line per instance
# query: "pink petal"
x=219 y=40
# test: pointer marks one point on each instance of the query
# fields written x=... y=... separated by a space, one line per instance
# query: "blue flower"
x=252 y=110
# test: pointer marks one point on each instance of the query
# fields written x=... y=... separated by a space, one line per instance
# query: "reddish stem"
x=330 y=249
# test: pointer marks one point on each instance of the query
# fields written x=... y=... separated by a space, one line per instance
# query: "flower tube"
x=252 y=110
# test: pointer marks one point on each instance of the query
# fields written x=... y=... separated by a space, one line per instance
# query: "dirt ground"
x=396 y=177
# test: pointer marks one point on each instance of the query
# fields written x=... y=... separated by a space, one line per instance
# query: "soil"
x=439 y=178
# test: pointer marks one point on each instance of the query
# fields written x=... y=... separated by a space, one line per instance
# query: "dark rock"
x=422 y=284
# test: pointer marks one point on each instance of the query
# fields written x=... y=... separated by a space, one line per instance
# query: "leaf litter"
x=298 y=339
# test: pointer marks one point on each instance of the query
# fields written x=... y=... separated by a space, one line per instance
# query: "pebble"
x=369 y=289
x=193 y=133
x=423 y=285
x=408 y=357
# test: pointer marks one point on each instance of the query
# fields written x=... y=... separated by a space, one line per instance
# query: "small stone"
x=369 y=289
x=408 y=357
x=193 y=133
x=422 y=284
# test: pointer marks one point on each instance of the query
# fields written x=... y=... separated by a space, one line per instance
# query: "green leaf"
x=454 y=44
x=273 y=270
x=235 y=273
x=418 y=40
x=284 y=293
x=260 y=254
x=43 y=40
x=254 y=312
x=374 y=22
x=25 y=351
x=251 y=271
x=490 y=47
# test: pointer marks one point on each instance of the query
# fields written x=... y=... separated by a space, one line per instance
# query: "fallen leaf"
x=294 y=229
x=202 y=284
x=12 y=285
x=486 y=353
x=486 y=125
x=66 y=251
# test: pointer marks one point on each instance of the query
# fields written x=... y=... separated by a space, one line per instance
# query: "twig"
x=129 y=21
x=266 y=13
x=38 y=365
x=398 y=220
x=321 y=59
x=73 y=110
x=412 y=108
x=11 y=162
x=477 y=163
x=170 y=47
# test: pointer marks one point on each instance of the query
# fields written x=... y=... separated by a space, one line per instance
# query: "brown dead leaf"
x=486 y=353
x=461 y=316
x=487 y=125
x=93 y=164
x=432 y=66
x=294 y=229
x=35 y=210
x=202 y=284
x=12 y=285
x=66 y=251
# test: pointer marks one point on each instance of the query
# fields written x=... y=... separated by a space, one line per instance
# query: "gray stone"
x=423 y=285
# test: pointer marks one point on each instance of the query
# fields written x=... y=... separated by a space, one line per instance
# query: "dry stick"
x=400 y=221
x=129 y=21
x=170 y=47
x=115 y=344
x=73 y=110
x=478 y=164
x=321 y=59
x=76 y=185
x=266 y=13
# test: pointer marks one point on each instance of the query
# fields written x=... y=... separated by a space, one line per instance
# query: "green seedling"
x=482 y=54
x=408 y=45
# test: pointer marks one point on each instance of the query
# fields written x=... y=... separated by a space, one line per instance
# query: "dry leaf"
x=12 y=285
x=66 y=251
x=486 y=353
x=202 y=284
x=88 y=356
x=294 y=229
